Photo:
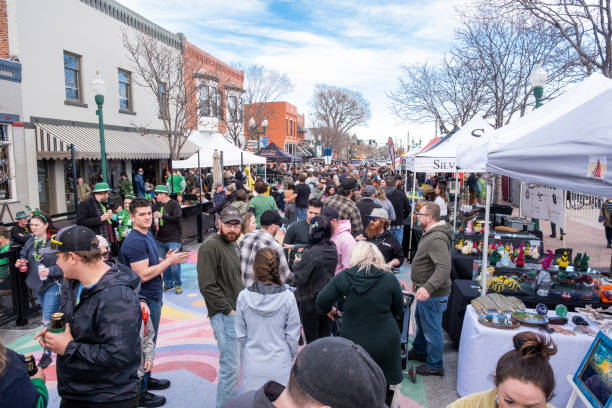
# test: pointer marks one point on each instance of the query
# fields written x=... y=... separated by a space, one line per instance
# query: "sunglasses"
x=55 y=244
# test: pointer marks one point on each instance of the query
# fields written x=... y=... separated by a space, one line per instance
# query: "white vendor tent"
x=566 y=143
x=442 y=157
x=473 y=145
x=208 y=143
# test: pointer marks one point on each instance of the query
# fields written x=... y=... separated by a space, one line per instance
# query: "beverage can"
x=30 y=364
x=41 y=267
x=58 y=323
x=23 y=265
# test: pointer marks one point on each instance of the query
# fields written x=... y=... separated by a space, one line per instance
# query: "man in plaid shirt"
x=252 y=242
x=345 y=206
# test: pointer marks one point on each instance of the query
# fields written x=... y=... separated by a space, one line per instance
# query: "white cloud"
x=354 y=45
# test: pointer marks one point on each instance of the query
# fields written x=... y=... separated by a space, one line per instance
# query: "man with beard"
x=378 y=233
x=220 y=281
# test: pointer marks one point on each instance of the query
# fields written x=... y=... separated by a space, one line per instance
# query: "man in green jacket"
x=125 y=186
x=430 y=274
x=220 y=280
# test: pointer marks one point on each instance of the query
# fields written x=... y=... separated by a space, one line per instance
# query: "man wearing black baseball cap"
x=329 y=372
x=98 y=354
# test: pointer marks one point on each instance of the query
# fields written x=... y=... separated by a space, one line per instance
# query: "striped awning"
x=53 y=142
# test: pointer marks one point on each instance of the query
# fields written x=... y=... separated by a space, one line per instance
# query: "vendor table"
x=463 y=291
x=482 y=346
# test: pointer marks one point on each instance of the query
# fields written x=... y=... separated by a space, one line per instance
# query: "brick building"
x=285 y=125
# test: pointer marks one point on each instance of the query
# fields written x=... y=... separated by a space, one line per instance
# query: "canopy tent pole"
x=411 y=215
x=521 y=201
x=455 y=205
x=485 y=242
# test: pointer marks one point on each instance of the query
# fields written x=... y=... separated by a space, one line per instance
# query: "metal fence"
x=583 y=205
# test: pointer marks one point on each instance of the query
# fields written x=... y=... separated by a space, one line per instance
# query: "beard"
x=372 y=230
x=228 y=237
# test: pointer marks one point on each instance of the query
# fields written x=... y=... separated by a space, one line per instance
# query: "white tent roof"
x=566 y=143
x=443 y=156
x=208 y=144
x=473 y=145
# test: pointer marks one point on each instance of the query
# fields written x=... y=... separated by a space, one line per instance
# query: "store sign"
x=544 y=203
x=430 y=164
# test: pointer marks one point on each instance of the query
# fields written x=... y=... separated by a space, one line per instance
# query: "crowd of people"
x=309 y=256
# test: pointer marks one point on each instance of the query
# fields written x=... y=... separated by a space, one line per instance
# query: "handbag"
x=601 y=218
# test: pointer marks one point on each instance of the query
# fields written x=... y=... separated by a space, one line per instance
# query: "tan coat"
x=83 y=191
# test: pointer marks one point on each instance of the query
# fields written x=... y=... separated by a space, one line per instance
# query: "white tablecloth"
x=481 y=346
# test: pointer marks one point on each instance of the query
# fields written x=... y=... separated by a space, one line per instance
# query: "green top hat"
x=160 y=188
x=21 y=215
x=130 y=196
x=101 y=188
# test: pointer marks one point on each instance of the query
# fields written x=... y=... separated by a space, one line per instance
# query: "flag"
x=392 y=152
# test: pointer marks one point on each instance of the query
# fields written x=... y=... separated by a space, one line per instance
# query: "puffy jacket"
x=400 y=203
x=101 y=363
x=344 y=241
x=317 y=267
x=268 y=327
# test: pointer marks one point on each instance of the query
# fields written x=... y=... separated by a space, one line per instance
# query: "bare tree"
x=450 y=93
x=335 y=112
x=263 y=85
x=169 y=74
x=584 y=25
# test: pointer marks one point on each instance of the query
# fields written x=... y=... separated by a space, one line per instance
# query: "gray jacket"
x=147 y=333
x=268 y=327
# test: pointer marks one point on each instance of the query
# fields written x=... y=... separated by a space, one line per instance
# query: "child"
x=147 y=332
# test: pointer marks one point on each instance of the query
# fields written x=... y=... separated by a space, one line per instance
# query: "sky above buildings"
x=358 y=45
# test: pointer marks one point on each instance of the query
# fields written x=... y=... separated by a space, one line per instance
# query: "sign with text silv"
x=544 y=203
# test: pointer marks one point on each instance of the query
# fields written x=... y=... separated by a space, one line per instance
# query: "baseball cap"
x=369 y=190
x=229 y=214
x=352 y=378
x=330 y=212
x=348 y=184
x=379 y=213
x=271 y=217
x=72 y=239
x=217 y=184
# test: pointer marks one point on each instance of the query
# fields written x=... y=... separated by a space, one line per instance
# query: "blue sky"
x=357 y=45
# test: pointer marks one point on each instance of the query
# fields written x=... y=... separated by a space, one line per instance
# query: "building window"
x=219 y=105
x=287 y=126
x=125 y=90
x=7 y=185
x=234 y=109
x=72 y=76
x=209 y=101
x=164 y=106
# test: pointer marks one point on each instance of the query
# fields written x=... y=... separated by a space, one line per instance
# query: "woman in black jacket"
x=312 y=272
x=44 y=276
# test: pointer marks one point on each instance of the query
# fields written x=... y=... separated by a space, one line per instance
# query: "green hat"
x=101 y=188
x=21 y=215
x=160 y=188
x=130 y=196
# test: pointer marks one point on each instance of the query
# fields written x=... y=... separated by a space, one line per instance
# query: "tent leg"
x=455 y=205
x=485 y=242
x=521 y=201
x=411 y=216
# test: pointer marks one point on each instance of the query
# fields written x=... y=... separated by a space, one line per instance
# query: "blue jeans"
x=398 y=233
x=429 y=338
x=155 y=308
x=172 y=274
x=49 y=302
x=229 y=356
x=300 y=214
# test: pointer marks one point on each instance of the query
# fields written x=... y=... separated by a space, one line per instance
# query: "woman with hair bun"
x=523 y=376
x=267 y=325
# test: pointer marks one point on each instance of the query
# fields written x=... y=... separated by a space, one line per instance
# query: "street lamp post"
x=538 y=79
x=98 y=86
x=253 y=126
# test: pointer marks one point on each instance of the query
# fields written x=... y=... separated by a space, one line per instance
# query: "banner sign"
x=392 y=152
x=434 y=164
x=544 y=203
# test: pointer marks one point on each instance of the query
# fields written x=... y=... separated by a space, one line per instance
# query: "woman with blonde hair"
x=381 y=199
x=372 y=300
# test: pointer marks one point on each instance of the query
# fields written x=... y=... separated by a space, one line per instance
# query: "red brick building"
x=4 y=46
x=286 y=127
x=220 y=93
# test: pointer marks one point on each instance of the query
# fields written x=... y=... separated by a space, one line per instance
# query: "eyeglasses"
x=423 y=214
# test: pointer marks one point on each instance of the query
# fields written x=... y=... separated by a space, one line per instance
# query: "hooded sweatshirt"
x=345 y=242
x=268 y=327
x=431 y=265
x=400 y=203
x=101 y=363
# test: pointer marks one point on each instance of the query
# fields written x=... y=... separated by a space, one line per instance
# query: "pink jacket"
x=345 y=242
